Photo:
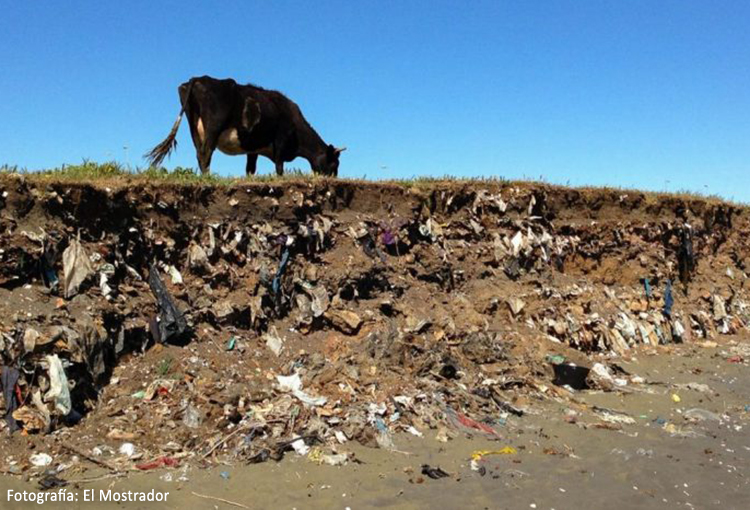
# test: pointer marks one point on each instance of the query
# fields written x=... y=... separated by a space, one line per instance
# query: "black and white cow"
x=245 y=119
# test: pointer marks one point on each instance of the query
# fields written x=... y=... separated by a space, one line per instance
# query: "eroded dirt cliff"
x=336 y=311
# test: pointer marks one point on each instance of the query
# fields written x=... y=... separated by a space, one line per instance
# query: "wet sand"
x=660 y=461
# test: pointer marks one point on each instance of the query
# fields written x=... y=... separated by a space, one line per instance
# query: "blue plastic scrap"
x=10 y=377
x=276 y=284
x=668 y=299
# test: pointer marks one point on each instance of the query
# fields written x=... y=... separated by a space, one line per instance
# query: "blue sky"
x=638 y=93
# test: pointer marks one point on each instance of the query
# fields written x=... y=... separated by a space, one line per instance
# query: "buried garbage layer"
x=147 y=325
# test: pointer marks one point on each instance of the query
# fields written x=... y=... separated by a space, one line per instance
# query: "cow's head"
x=327 y=163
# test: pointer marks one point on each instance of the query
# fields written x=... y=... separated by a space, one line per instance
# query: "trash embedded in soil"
x=310 y=315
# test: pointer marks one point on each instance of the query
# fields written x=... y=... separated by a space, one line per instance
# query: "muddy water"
x=660 y=461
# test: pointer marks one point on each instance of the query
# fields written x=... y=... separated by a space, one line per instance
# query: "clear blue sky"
x=637 y=93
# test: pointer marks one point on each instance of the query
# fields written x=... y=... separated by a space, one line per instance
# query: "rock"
x=256 y=310
x=303 y=305
x=121 y=435
x=516 y=305
x=417 y=324
x=174 y=273
x=617 y=342
x=32 y=419
x=30 y=339
x=639 y=306
x=197 y=257
x=600 y=378
x=223 y=310
x=311 y=273
x=345 y=321
x=334 y=460
x=720 y=311
x=560 y=328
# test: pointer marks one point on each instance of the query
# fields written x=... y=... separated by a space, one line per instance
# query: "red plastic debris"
x=157 y=463
x=463 y=420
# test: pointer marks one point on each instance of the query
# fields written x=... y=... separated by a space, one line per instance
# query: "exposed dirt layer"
x=205 y=324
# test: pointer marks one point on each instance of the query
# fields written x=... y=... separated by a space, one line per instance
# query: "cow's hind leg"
x=198 y=133
x=279 y=167
x=252 y=162
x=204 y=161
x=204 y=157
x=209 y=138
x=195 y=132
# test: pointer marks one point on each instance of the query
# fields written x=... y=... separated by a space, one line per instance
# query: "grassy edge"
x=114 y=172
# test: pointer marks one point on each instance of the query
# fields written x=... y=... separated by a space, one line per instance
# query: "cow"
x=246 y=119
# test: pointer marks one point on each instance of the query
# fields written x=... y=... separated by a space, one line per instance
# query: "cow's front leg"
x=279 y=153
x=252 y=162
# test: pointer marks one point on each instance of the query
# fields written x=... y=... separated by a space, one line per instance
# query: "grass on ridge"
x=93 y=171
x=88 y=171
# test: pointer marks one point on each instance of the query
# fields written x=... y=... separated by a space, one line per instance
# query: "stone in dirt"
x=345 y=321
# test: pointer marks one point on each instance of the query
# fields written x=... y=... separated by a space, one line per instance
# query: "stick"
x=220 y=499
x=224 y=440
x=96 y=478
x=91 y=459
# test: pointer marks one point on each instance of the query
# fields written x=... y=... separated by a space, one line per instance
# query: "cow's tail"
x=156 y=156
